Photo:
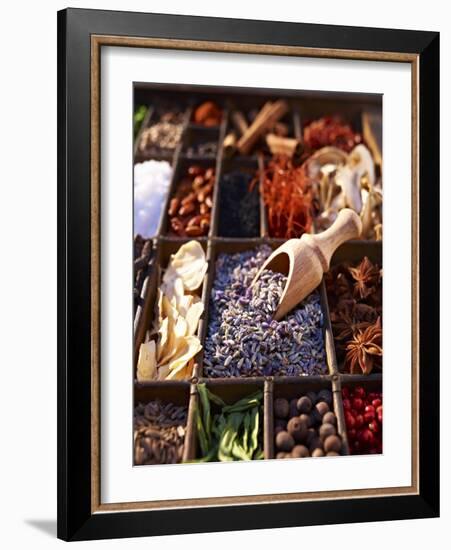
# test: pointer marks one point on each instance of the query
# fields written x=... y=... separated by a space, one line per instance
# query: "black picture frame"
x=76 y=520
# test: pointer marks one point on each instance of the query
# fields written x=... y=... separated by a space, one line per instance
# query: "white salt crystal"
x=151 y=186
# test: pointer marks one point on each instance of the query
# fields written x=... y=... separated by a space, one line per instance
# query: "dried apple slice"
x=178 y=332
x=147 y=364
x=192 y=317
x=163 y=372
x=185 y=304
x=189 y=263
x=191 y=346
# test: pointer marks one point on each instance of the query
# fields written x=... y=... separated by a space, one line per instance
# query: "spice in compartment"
x=306 y=426
x=289 y=198
x=170 y=347
x=364 y=419
x=190 y=208
x=346 y=180
x=163 y=135
x=159 y=433
x=234 y=432
x=151 y=187
x=355 y=302
x=330 y=130
x=239 y=206
x=208 y=114
x=243 y=339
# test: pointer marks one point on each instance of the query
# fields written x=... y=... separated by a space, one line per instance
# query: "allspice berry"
x=318 y=452
x=332 y=444
x=297 y=429
x=333 y=453
x=322 y=407
x=330 y=418
x=326 y=430
x=304 y=404
x=284 y=441
x=281 y=455
x=300 y=451
x=281 y=408
x=305 y=418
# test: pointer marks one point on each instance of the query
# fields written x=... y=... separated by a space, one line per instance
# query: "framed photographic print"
x=248 y=274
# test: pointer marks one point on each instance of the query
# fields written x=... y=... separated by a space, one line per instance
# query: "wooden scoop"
x=305 y=260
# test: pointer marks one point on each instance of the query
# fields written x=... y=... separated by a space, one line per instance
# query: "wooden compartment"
x=176 y=392
x=197 y=136
x=290 y=388
x=353 y=252
x=243 y=110
x=152 y=117
x=227 y=246
x=181 y=166
x=143 y=323
x=373 y=382
x=230 y=392
x=229 y=166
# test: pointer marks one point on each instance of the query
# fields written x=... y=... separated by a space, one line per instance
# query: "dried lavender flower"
x=243 y=339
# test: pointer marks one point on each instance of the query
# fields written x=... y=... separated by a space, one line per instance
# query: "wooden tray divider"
x=162 y=226
x=268 y=418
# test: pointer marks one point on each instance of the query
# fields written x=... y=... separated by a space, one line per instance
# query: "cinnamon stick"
x=266 y=119
x=240 y=122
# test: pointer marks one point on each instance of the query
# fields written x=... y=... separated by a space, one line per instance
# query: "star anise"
x=366 y=276
x=364 y=349
x=345 y=324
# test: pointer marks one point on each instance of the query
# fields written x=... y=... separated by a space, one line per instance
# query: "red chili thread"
x=289 y=199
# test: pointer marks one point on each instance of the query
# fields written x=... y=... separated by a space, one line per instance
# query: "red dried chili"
x=289 y=199
x=330 y=130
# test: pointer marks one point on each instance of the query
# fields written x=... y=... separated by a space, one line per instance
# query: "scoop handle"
x=347 y=226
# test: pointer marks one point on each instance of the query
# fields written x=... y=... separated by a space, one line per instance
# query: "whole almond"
x=196 y=220
x=187 y=209
x=209 y=173
x=173 y=206
x=204 y=208
x=189 y=199
x=204 y=192
x=194 y=231
x=198 y=182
